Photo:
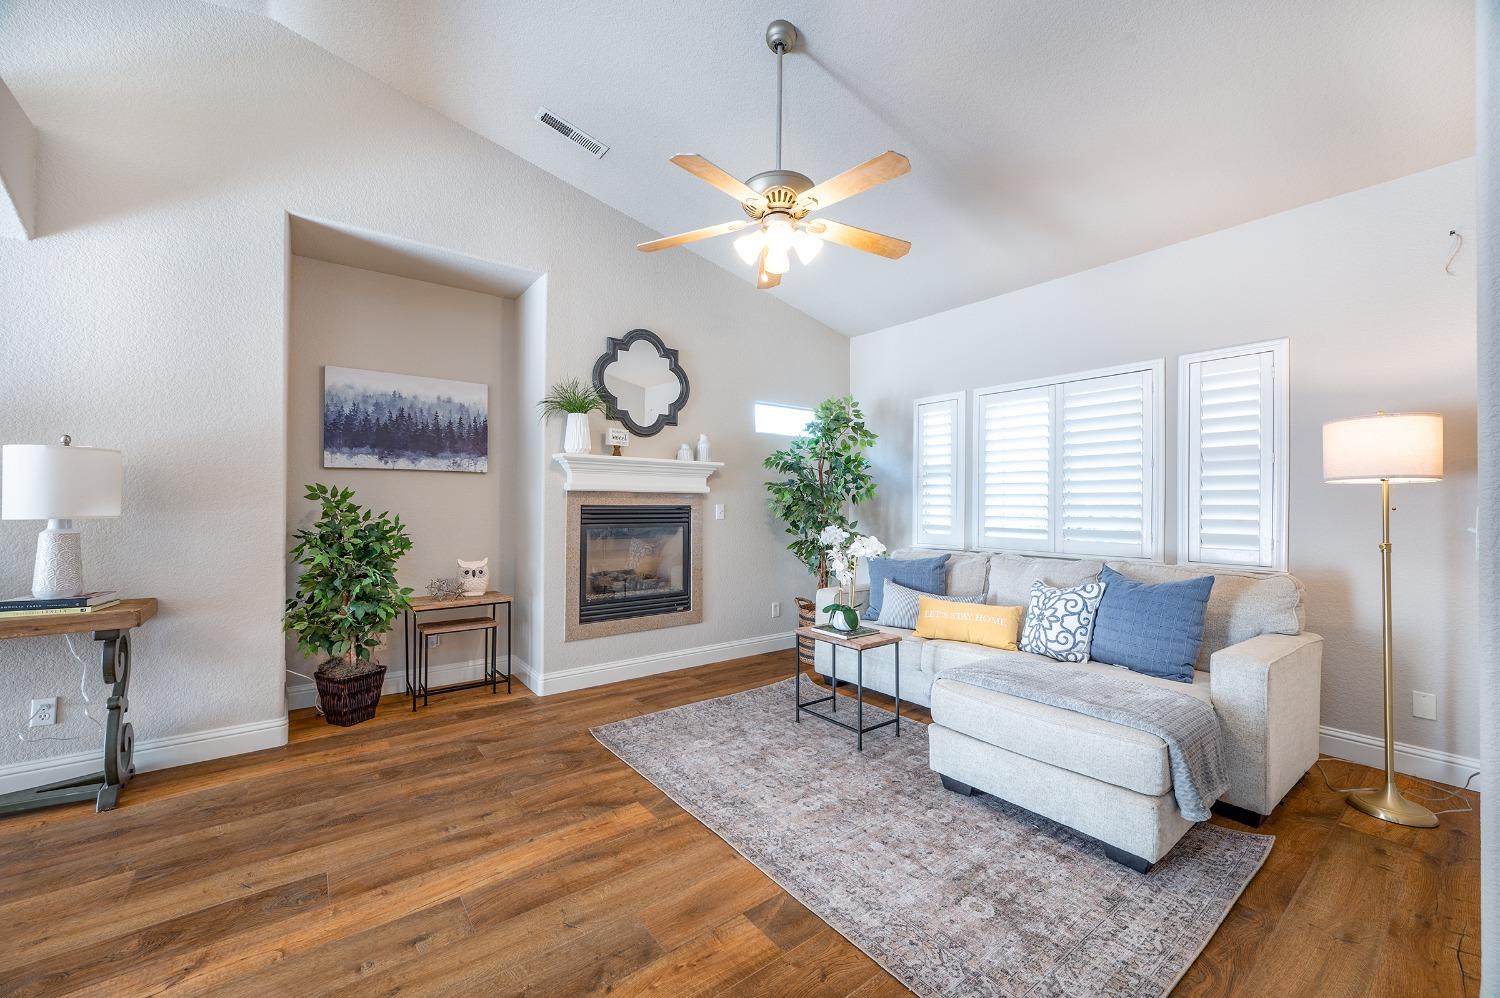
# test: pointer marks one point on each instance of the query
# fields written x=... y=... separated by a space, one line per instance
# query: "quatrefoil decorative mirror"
x=640 y=379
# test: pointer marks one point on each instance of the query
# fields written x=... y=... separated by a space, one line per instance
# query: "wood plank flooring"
x=488 y=845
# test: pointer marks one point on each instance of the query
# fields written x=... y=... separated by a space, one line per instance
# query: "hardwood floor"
x=491 y=846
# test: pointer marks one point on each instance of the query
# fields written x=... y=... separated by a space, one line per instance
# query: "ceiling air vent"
x=595 y=148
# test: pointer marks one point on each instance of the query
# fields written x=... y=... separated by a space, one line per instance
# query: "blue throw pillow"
x=925 y=575
x=1154 y=629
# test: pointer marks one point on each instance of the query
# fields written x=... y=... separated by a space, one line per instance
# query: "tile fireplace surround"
x=579 y=631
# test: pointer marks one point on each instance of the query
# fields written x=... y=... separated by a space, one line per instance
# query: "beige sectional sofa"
x=1258 y=668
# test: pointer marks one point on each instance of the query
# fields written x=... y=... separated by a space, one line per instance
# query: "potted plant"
x=575 y=399
x=822 y=473
x=346 y=598
x=843 y=553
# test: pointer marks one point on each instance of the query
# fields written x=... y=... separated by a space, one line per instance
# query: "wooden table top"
x=421 y=604
x=862 y=643
x=125 y=614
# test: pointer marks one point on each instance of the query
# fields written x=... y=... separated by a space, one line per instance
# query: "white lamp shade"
x=56 y=482
x=1394 y=447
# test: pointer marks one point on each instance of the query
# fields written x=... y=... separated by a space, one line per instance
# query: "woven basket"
x=807 y=615
x=347 y=701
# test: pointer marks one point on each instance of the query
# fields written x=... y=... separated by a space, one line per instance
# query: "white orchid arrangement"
x=844 y=549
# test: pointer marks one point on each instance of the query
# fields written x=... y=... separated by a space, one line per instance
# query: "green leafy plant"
x=572 y=396
x=823 y=473
x=347 y=595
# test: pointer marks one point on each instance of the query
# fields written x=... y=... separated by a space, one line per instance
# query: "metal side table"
x=859 y=645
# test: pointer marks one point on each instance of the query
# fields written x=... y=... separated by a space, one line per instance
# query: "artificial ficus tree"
x=347 y=595
x=824 y=473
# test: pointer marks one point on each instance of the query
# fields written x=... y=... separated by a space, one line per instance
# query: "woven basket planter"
x=347 y=700
x=807 y=615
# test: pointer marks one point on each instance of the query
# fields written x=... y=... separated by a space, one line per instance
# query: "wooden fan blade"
x=763 y=278
x=707 y=172
x=861 y=239
x=667 y=242
x=887 y=166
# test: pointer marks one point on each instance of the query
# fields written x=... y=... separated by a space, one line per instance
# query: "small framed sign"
x=615 y=438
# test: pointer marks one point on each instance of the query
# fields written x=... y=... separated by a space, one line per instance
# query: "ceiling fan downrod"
x=781 y=37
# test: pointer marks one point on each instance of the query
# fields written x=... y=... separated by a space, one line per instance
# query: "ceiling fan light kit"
x=778 y=202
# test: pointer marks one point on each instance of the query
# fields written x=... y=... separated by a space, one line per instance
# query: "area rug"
x=953 y=895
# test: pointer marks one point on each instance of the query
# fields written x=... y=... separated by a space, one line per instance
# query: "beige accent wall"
x=348 y=317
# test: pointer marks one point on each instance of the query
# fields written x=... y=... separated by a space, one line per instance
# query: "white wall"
x=349 y=317
x=150 y=314
x=1357 y=284
x=1488 y=78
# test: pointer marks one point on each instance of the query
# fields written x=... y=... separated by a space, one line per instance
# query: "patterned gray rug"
x=953 y=895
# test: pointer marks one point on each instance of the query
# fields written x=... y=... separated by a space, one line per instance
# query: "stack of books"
x=27 y=606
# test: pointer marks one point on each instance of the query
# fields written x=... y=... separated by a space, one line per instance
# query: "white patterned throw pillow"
x=1060 y=622
x=898 y=607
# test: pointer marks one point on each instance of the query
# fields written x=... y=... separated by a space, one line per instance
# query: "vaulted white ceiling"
x=1045 y=137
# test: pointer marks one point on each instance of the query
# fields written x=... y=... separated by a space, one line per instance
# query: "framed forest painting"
x=374 y=419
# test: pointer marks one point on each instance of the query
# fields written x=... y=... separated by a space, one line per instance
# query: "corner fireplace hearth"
x=634 y=561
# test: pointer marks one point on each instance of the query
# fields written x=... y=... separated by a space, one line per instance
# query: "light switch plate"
x=718 y=511
x=1423 y=705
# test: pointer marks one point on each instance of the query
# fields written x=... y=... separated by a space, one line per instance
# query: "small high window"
x=783 y=420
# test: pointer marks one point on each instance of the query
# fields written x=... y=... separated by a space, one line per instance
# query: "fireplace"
x=634 y=561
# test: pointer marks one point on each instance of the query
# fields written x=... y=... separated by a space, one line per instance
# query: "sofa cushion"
x=1154 y=628
x=901 y=605
x=1060 y=622
x=967 y=570
x=962 y=620
x=927 y=575
x=1011 y=576
x=1241 y=606
x=1112 y=753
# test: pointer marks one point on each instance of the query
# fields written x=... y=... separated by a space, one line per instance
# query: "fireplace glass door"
x=635 y=561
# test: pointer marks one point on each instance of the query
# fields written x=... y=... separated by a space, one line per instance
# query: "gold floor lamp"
x=1382 y=449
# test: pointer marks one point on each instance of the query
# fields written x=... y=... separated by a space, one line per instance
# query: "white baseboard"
x=150 y=753
x=302 y=695
x=584 y=676
x=1413 y=760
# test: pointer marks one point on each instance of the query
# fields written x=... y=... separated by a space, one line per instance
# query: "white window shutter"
x=938 y=475
x=1232 y=514
x=1014 y=469
x=1105 y=444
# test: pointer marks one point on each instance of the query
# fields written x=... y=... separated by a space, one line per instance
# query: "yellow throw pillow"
x=976 y=623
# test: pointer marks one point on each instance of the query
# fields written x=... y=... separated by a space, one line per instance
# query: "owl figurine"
x=474 y=576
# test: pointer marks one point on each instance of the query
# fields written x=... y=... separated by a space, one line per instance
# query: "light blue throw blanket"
x=1187 y=724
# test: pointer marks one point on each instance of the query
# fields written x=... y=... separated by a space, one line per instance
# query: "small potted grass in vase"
x=347 y=597
x=575 y=399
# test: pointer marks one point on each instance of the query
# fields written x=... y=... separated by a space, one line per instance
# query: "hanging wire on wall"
x=1457 y=245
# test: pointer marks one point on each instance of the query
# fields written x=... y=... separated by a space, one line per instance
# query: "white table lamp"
x=58 y=483
x=1381 y=449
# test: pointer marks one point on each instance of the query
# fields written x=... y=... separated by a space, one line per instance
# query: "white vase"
x=703 y=452
x=576 y=438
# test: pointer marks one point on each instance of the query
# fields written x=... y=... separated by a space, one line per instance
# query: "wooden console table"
x=111 y=628
x=416 y=635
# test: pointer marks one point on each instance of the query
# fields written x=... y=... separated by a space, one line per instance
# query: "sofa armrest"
x=1266 y=693
x=832 y=594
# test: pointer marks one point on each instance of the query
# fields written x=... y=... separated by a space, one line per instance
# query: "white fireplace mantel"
x=605 y=473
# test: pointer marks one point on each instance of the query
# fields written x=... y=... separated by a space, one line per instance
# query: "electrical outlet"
x=718 y=511
x=43 y=712
x=1423 y=705
x=433 y=640
x=775 y=610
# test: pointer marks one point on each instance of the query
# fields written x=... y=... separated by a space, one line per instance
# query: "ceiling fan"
x=779 y=202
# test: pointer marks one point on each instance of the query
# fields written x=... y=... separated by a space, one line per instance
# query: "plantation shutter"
x=937 y=501
x=1230 y=466
x=1015 y=462
x=1106 y=465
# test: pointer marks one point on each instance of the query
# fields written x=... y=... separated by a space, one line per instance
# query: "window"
x=1233 y=470
x=938 y=474
x=786 y=420
x=1068 y=466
